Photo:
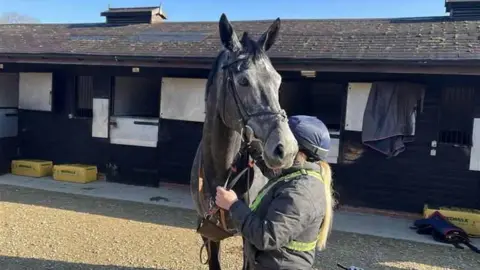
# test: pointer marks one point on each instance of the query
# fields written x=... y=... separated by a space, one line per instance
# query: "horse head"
x=249 y=100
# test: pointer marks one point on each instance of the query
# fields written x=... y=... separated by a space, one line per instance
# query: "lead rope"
x=250 y=163
x=207 y=246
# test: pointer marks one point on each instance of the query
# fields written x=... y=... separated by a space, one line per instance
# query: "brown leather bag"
x=213 y=232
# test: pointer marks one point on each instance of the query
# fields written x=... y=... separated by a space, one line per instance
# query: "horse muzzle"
x=280 y=148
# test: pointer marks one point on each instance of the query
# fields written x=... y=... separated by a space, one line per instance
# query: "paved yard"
x=47 y=230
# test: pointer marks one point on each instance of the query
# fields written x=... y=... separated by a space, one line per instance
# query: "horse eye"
x=243 y=82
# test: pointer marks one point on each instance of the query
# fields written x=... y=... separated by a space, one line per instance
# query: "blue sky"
x=76 y=11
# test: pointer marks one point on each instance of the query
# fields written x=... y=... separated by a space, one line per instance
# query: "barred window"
x=84 y=96
x=456 y=116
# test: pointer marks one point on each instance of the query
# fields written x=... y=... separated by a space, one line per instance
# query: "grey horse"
x=242 y=106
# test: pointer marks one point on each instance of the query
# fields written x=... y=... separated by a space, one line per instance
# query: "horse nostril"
x=279 y=151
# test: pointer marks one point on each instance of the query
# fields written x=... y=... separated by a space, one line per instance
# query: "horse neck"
x=220 y=146
x=220 y=143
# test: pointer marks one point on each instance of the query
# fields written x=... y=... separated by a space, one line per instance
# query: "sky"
x=84 y=11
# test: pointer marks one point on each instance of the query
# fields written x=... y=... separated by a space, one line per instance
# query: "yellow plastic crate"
x=32 y=167
x=77 y=173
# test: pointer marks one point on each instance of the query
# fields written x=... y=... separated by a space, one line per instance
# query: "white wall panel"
x=100 y=118
x=35 y=91
x=334 y=150
x=136 y=131
x=183 y=99
x=357 y=98
x=475 y=150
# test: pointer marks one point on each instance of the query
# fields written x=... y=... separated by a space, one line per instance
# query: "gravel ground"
x=47 y=230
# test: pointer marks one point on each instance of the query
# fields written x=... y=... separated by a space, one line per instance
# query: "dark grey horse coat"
x=241 y=94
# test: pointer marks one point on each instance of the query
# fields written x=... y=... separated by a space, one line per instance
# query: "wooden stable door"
x=135 y=111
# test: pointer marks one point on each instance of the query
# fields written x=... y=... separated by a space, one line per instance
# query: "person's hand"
x=225 y=198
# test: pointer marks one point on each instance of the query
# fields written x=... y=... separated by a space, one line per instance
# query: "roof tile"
x=435 y=38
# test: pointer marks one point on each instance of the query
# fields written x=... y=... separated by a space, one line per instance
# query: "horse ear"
x=227 y=35
x=244 y=39
x=268 y=38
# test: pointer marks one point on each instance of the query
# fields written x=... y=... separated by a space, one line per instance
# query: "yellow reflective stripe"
x=305 y=246
x=301 y=246
x=260 y=196
x=316 y=175
x=294 y=245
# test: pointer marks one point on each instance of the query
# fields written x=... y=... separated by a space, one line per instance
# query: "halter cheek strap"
x=245 y=115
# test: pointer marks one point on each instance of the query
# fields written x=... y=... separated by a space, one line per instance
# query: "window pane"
x=456 y=110
x=137 y=96
x=84 y=96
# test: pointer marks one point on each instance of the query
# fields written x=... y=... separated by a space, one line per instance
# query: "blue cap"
x=312 y=135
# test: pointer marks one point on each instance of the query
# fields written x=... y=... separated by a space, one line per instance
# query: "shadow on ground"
x=372 y=253
x=141 y=212
x=16 y=263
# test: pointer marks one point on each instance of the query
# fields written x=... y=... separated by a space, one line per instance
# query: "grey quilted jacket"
x=290 y=210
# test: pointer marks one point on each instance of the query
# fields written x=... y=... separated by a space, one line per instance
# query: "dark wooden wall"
x=362 y=177
x=367 y=178
x=8 y=151
x=54 y=136
x=322 y=99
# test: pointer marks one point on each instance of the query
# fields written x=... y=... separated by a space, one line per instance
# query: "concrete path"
x=179 y=196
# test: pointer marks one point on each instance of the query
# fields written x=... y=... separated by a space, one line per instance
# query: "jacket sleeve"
x=287 y=216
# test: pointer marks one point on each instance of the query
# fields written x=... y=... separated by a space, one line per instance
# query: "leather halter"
x=245 y=115
x=247 y=136
x=247 y=132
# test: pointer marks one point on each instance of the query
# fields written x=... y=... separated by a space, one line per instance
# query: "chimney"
x=134 y=15
x=463 y=9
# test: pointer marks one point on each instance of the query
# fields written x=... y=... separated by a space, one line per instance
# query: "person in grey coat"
x=292 y=215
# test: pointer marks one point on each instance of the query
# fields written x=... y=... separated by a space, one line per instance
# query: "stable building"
x=400 y=96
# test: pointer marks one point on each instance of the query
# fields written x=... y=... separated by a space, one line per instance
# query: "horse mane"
x=211 y=74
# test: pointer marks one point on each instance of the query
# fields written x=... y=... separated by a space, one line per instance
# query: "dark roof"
x=123 y=11
x=433 y=38
x=463 y=9
x=130 y=9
